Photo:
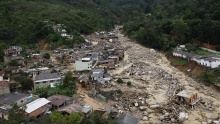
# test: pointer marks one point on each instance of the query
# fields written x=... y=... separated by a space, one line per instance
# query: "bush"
x=129 y=83
x=180 y=62
x=119 y=91
x=191 y=46
x=46 y=56
x=120 y=81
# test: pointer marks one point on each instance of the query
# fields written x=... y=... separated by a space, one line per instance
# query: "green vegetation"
x=57 y=118
x=95 y=118
x=211 y=76
x=163 y=24
x=46 y=56
x=26 y=22
x=191 y=47
x=119 y=91
x=120 y=81
x=129 y=83
x=68 y=88
x=17 y=115
x=24 y=82
x=202 y=52
x=179 y=62
x=154 y=23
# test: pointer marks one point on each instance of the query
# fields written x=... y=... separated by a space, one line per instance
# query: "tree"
x=191 y=46
x=13 y=63
x=179 y=29
x=73 y=118
x=68 y=79
x=25 y=82
x=120 y=81
x=57 y=118
x=2 y=47
x=46 y=56
x=16 y=115
x=129 y=83
x=218 y=47
x=95 y=118
x=42 y=92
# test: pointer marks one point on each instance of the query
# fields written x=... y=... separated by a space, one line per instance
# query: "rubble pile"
x=131 y=101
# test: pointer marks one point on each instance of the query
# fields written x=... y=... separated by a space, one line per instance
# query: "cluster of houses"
x=42 y=76
x=13 y=53
x=97 y=63
x=92 y=67
x=61 y=28
x=36 y=107
x=210 y=60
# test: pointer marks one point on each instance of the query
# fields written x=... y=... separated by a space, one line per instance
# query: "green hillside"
x=161 y=24
x=25 y=21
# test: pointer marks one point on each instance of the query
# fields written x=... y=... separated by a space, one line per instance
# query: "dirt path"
x=96 y=104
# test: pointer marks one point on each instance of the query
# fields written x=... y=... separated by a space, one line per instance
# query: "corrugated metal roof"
x=36 y=104
x=45 y=76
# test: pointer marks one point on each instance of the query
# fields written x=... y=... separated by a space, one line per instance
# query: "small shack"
x=188 y=97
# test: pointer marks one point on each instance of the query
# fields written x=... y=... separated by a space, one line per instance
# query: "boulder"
x=216 y=122
x=145 y=118
x=142 y=108
x=183 y=116
x=154 y=106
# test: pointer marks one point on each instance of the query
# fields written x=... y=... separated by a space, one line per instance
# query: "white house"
x=83 y=64
x=207 y=61
x=212 y=61
x=46 y=79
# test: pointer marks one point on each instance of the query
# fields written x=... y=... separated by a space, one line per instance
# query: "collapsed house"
x=86 y=110
x=188 y=97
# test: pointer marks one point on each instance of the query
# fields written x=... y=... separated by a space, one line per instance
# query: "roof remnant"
x=59 y=99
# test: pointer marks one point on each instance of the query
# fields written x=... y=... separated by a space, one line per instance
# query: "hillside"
x=201 y=74
x=24 y=21
x=161 y=24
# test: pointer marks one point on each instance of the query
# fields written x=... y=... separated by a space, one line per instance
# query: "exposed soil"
x=192 y=68
x=152 y=69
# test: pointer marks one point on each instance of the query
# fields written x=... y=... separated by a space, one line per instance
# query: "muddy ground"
x=153 y=75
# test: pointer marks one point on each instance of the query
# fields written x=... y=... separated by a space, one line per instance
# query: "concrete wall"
x=22 y=101
x=19 y=102
x=4 y=115
x=83 y=66
x=1 y=78
x=215 y=64
x=4 y=90
x=177 y=54
x=45 y=83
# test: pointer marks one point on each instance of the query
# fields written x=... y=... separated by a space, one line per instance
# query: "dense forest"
x=161 y=24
